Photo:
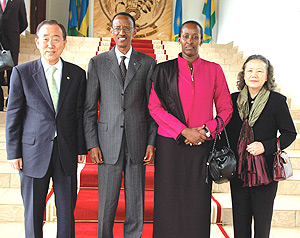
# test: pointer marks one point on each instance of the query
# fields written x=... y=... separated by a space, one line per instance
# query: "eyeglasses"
x=126 y=29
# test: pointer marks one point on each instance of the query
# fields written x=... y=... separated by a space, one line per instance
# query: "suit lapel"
x=8 y=4
x=133 y=66
x=112 y=64
x=64 y=85
x=41 y=81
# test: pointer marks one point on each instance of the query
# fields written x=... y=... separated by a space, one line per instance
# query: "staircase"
x=286 y=217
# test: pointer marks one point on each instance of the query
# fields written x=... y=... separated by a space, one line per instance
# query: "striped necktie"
x=53 y=87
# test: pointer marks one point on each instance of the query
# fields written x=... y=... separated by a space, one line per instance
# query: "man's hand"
x=149 y=156
x=16 y=163
x=81 y=158
x=96 y=155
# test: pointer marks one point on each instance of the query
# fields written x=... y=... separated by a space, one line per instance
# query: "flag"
x=177 y=20
x=209 y=12
x=84 y=18
x=72 y=25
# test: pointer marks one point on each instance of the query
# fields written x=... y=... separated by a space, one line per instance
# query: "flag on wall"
x=84 y=18
x=177 y=20
x=209 y=12
x=72 y=25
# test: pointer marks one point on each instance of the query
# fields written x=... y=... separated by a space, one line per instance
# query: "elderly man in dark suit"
x=44 y=133
x=123 y=138
x=13 y=22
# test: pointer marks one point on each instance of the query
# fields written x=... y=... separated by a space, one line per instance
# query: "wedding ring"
x=254 y=152
x=199 y=143
x=191 y=144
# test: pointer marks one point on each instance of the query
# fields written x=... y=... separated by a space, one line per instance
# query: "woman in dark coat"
x=259 y=114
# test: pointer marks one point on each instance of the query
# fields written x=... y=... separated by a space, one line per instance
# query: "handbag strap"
x=278 y=146
x=217 y=132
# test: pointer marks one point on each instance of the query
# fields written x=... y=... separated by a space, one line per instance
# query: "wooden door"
x=37 y=13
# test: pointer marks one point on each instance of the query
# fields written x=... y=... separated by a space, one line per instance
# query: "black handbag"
x=6 y=60
x=221 y=164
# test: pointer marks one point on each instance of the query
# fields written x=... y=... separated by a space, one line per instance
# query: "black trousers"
x=255 y=202
x=34 y=192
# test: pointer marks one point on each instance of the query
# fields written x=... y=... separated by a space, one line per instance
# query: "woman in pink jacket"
x=181 y=102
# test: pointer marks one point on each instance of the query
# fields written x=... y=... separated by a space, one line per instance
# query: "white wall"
x=27 y=6
x=58 y=10
x=192 y=10
x=267 y=27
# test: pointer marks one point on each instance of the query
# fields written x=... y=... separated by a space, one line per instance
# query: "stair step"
x=276 y=232
x=285 y=214
x=294 y=155
x=287 y=187
x=295 y=114
x=11 y=205
x=3 y=156
x=296 y=144
x=9 y=178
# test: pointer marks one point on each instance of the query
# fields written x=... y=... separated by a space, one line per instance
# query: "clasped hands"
x=194 y=136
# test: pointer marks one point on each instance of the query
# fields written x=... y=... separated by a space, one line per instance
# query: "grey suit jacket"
x=122 y=108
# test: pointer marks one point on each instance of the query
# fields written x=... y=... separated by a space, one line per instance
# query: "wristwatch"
x=207 y=132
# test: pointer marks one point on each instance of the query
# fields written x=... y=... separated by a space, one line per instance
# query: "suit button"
x=122 y=126
x=122 y=94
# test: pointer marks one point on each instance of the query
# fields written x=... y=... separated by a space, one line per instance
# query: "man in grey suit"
x=123 y=138
x=44 y=130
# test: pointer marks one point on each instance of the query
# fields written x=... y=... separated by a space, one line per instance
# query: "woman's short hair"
x=191 y=22
x=269 y=84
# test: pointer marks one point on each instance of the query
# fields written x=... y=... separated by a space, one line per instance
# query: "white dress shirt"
x=119 y=54
x=57 y=74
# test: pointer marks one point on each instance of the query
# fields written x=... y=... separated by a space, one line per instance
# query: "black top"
x=274 y=117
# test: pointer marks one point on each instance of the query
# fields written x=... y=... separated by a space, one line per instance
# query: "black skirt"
x=182 y=199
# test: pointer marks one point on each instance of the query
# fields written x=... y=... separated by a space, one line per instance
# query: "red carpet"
x=86 y=212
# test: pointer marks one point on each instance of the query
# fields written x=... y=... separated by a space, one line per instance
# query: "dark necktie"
x=123 y=67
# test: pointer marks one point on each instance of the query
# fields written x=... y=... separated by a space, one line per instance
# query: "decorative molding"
x=153 y=17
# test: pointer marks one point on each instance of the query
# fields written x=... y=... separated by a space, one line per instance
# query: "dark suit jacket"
x=275 y=117
x=31 y=120
x=13 y=22
x=122 y=108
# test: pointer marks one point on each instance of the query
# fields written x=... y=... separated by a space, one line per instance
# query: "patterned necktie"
x=3 y=4
x=123 y=67
x=53 y=87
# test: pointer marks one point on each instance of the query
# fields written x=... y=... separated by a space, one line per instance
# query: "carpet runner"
x=86 y=212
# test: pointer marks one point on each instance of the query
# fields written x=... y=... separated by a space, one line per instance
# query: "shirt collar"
x=46 y=65
x=119 y=53
x=182 y=61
